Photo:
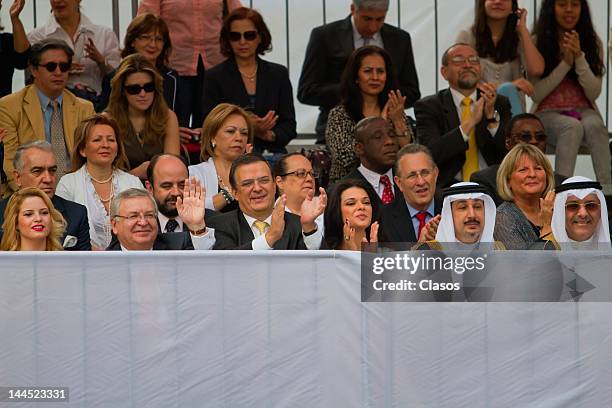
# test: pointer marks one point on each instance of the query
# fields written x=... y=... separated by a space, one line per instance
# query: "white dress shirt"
x=312 y=241
x=201 y=242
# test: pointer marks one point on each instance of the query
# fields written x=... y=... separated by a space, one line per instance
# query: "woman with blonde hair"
x=98 y=164
x=227 y=133
x=31 y=223
x=526 y=182
x=137 y=104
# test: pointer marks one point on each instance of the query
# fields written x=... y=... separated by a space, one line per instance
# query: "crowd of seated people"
x=474 y=169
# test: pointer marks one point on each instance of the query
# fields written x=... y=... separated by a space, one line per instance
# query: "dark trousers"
x=189 y=98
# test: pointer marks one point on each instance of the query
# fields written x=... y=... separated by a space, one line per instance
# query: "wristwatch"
x=199 y=232
x=494 y=119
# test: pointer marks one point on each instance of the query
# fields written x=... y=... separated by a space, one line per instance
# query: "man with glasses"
x=462 y=125
x=376 y=148
x=580 y=215
x=133 y=214
x=404 y=220
x=261 y=222
x=523 y=128
x=44 y=110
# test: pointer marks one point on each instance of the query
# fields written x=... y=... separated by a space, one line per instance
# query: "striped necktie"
x=57 y=140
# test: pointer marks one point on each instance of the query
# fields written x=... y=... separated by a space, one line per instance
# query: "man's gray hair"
x=37 y=144
x=378 y=5
x=126 y=194
x=412 y=148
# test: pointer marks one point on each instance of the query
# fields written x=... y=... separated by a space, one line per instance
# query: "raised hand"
x=93 y=53
x=524 y=86
x=546 y=211
x=311 y=208
x=428 y=233
x=521 y=24
x=489 y=94
x=16 y=9
x=277 y=223
x=394 y=108
x=190 y=207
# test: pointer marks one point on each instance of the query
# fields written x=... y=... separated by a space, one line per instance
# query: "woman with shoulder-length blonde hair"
x=31 y=223
x=227 y=133
x=137 y=104
x=98 y=164
x=526 y=182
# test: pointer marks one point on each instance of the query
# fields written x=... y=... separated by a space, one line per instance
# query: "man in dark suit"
x=330 y=46
x=376 y=147
x=523 y=128
x=415 y=174
x=35 y=166
x=260 y=223
x=463 y=125
x=133 y=214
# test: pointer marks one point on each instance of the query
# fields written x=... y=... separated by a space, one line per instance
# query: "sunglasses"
x=136 y=89
x=590 y=206
x=235 y=36
x=526 y=136
x=52 y=66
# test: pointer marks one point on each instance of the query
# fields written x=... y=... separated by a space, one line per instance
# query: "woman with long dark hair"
x=368 y=88
x=565 y=94
x=507 y=53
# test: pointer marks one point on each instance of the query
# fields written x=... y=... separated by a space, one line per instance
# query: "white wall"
x=430 y=22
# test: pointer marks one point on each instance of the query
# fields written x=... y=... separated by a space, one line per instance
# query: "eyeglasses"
x=590 y=206
x=135 y=89
x=302 y=173
x=248 y=183
x=134 y=217
x=459 y=60
x=151 y=38
x=413 y=175
x=52 y=66
x=235 y=36
x=526 y=137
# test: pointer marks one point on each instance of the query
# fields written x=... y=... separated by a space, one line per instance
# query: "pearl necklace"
x=101 y=181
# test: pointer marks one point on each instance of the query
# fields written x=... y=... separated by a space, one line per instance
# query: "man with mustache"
x=580 y=215
x=261 y=222
x=462 y=125
x=376 y=147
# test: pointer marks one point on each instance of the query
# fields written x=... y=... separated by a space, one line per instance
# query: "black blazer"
x=488 y=178
x=395 y=219
x=356 y=174
x=223 y=83
x=233 y=232
x=328 y=50
x=438 y=129
x=75 y=216
x=166 y=241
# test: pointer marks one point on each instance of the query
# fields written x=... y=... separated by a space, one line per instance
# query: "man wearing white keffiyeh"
x=580 y=215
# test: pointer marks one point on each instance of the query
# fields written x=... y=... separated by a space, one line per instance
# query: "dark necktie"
x=57 y=140
x=171 y=225
x=421 y=215
x=387 y=195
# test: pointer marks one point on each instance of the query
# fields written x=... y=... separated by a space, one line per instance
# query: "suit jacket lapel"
x=345 y=39
x=245 y=234
x=449 y=109
x=70 y=116
x=402 y=217
x=33 y=111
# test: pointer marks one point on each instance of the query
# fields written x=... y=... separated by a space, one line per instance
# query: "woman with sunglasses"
x=565 y=96
x=137 y=104
x=96 y=48
x=295 y=178
x=148 y=36
x=260 y=87
x=368 y=88
x=507 y=53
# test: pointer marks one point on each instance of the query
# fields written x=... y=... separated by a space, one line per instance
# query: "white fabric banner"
x=246 y=329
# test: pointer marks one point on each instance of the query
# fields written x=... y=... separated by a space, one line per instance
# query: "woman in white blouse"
x=97 y=176
x=226 y=134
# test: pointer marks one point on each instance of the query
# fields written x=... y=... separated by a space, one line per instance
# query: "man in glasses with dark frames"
x=376 y=148
x=580 y=215
x=463 y=125
x=260 y=223
x=523 y=128
x=44 y=110
x=330 y=46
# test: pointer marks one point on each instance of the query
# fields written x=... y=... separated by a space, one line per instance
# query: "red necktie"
x=421 y=215
x=387 y=195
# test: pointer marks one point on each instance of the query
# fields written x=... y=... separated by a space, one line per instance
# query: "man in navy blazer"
x=416 y=175
x=261 y=222
x=330 y=46
x=35 y=166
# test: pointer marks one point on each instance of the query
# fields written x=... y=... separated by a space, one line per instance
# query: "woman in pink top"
x=194 y=30
x=565 y=94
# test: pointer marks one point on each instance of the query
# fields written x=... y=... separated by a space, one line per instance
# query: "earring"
x=213 y=144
